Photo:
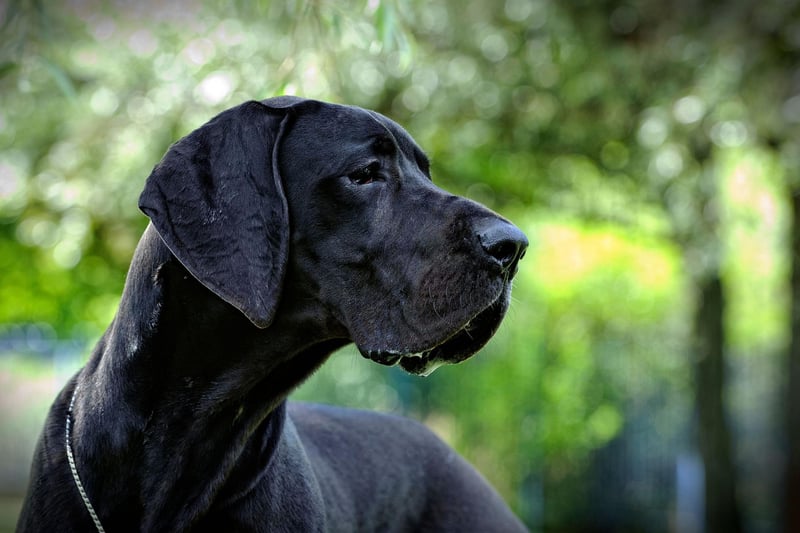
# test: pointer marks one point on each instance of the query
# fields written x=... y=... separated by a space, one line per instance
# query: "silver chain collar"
x=74 y=469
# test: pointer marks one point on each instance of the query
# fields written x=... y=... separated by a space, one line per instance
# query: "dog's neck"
x=202 y=395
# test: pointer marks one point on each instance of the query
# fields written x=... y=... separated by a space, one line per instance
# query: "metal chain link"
x=74 y=468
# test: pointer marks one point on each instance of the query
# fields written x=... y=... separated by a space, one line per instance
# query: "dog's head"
x=342 y=199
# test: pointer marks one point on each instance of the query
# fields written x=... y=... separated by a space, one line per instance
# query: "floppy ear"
x=217 y=201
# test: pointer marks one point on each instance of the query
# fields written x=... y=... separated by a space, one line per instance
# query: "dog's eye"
x=366 y=175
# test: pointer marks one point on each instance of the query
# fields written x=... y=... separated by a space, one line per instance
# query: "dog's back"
x=380 y=472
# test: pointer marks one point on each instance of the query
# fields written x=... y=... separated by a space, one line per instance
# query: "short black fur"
x=262 y=258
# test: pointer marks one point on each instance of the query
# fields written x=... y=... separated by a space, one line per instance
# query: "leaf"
x=385 y=24
x=62 y=79
x=7 y=67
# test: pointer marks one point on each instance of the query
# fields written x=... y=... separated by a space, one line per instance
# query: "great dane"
x=279 y=231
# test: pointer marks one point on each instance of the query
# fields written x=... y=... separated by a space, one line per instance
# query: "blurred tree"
x=611 y=119
x=769 y=33
x=763 y=39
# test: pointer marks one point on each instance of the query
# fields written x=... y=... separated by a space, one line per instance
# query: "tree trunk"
x=792 y=489
x=721 y=507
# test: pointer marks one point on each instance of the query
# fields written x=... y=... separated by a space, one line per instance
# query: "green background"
x=647 y=149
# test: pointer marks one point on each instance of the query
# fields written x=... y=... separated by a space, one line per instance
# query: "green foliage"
x=638 y=147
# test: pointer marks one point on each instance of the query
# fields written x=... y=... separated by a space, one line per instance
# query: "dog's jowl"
x=279 y=231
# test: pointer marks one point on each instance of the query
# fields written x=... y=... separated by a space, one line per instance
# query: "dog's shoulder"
x=334 y=426
x=383 y=459
x=364 y=463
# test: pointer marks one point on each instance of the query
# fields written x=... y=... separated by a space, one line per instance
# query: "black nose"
x=504 y=242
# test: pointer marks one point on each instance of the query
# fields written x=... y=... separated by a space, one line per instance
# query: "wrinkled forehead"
x=404 y=141
x=331 y=129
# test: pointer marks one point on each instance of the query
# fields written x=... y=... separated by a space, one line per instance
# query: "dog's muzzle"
x=503 y=245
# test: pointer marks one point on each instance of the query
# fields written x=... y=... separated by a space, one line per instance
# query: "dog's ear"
x=216 y=199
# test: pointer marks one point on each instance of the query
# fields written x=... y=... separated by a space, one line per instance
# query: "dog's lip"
x=423 y=361
x=391 y=357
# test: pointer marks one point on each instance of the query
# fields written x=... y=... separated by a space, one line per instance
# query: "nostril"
x=504 y=242
x=505 y=252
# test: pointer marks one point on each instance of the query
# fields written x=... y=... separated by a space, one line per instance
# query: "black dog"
x=280 y=231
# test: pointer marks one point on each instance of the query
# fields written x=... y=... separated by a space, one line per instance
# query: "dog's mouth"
x=454 y=348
